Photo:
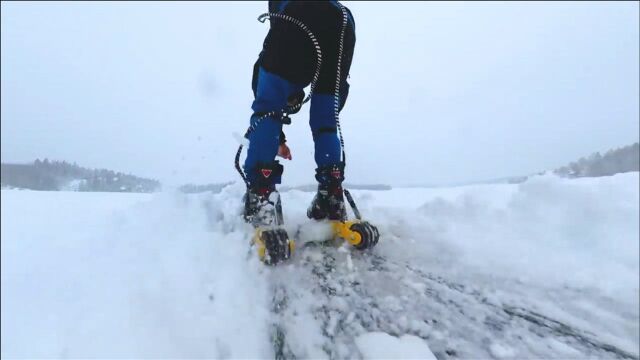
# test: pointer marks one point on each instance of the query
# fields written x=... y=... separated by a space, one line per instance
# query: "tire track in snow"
x=457 y=320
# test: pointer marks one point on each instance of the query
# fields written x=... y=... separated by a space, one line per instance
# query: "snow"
x=377 y=345
x=547 y=268
x=501 y=351
x=122 y=275
x=587 y=227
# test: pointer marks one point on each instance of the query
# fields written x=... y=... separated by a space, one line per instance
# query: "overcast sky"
x=440 y=92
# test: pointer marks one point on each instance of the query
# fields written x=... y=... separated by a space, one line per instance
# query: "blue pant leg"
x=263 y=146
x=323 y=127
x=271 y=95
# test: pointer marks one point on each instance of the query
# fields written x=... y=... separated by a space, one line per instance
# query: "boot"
x=263 y=210
x=329 y=200
x=262 y=200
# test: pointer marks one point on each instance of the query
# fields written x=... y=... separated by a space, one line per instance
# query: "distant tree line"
x=614 y=161
x=61 y=175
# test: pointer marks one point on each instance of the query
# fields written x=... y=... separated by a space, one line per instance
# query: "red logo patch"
x=335 y=173
x=266 y=172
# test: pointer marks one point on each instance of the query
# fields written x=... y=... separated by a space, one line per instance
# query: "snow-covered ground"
x=544 y=269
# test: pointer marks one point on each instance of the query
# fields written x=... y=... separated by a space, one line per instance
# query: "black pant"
x=288 y=51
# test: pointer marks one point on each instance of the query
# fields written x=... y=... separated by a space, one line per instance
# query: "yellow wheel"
x=361 y=234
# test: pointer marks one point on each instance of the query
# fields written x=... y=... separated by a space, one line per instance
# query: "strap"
x=323 y=130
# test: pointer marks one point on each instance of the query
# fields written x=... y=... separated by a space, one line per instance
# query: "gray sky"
x=440 y=92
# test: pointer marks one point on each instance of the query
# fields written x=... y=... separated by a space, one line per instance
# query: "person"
x=285 y=66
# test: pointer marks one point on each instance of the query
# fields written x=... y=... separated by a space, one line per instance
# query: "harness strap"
x=322 y=130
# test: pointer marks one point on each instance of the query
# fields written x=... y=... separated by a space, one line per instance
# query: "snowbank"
x=580 y=233
x=125 y=276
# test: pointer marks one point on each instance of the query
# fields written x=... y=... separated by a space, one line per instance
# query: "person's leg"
x=282 y=71
x=322 y=119
x=271 y=95
x=329 y=201
x=323 y=128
